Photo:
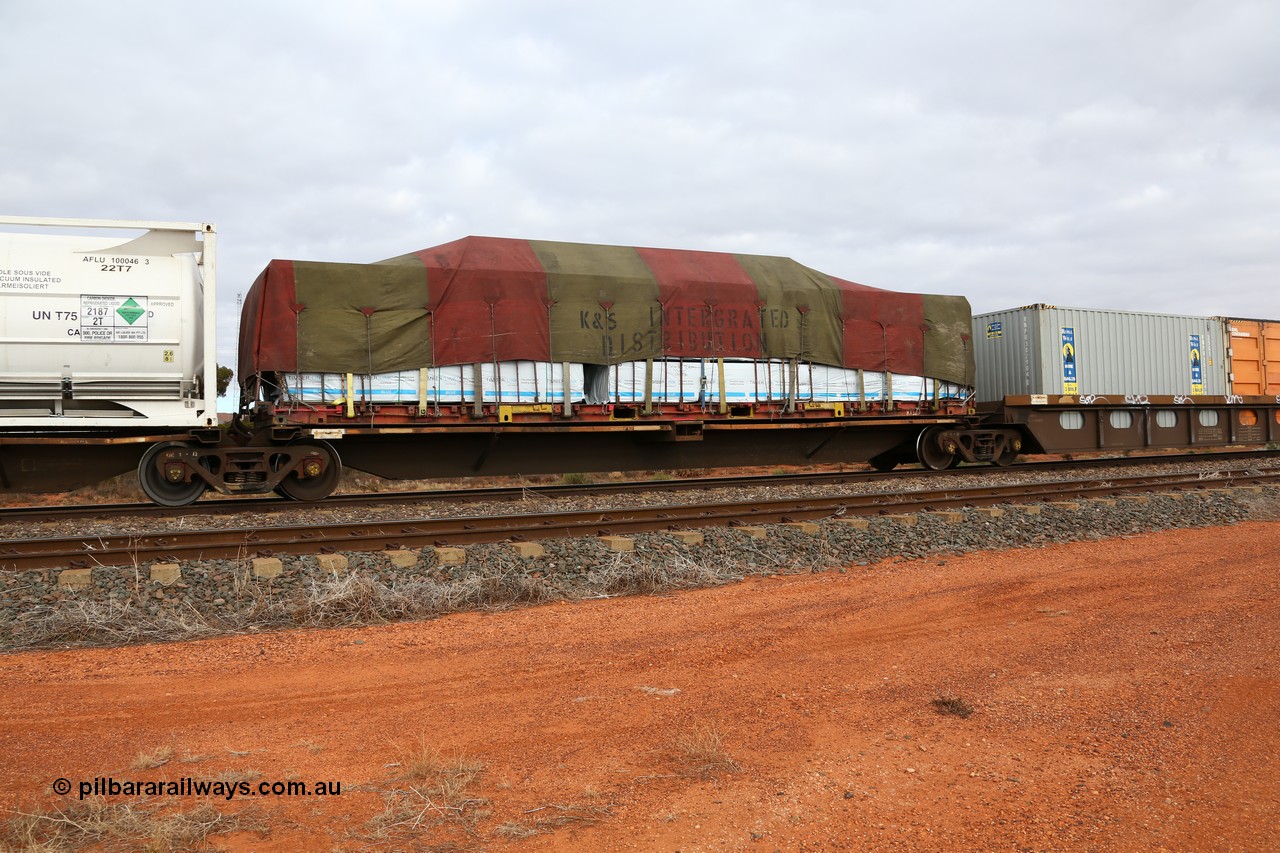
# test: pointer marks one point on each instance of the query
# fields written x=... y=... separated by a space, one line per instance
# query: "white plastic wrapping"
x=696 y=380
x=506 y=382
x=674 y=381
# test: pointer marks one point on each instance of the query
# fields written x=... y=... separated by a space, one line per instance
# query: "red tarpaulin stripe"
x=710 y=306
x=883 y=329
x=268 y=333
x=488 y=297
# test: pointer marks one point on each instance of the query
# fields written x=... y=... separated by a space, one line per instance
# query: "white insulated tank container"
x=105 y=329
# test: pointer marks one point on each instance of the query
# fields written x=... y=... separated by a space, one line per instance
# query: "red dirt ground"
x=1125 y=697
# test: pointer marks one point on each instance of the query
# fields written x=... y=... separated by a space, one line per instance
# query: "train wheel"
x=1005 y=458
x=322 y=483
x=160 y=488
x=930 y=452
x=276 y=462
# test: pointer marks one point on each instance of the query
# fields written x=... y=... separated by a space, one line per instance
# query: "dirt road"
x=1124 y=696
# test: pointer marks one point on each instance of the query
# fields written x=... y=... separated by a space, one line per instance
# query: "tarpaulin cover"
x=484 y=299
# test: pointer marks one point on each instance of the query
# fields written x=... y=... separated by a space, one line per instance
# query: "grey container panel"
x=1117 y=352
x=1006 y=349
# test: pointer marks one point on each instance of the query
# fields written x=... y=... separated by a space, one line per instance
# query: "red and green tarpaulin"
x=490 y=299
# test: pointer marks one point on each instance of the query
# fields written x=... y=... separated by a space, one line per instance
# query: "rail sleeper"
x=402 y=558
x=266 y=568
x=808 y=527
x=528 y=550
x=450 y=556
x=618 y=543
x=75 y=578
x=165 y=573
x=336 y=563
x=948 y=516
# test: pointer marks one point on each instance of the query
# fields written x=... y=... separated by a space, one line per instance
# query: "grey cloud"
x=1088 y=153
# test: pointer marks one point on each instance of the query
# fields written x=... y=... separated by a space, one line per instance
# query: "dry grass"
x=450 y=775
x=109 y=622
x=551 y=817
x=952 y=706
x=232 y=778
x=436 y=790
x=124 y=826
x=360 y=598
x=514 y=829
x=659 y=691
x=155 y=758
x=701 y=752
x=348 y=600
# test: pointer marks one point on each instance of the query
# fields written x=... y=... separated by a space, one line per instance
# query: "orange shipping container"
x=1255 y=356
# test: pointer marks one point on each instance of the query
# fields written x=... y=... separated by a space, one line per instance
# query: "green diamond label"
x=130 y=311
x=114 y=319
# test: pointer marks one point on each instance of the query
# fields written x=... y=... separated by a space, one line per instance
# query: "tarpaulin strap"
x=368 y=312
x=724 y=405
x=493 y=353
x=298 y=308
x=648 y=386
x=793 y=376
x=431 y=333
x=803 y=310
x=568 y=395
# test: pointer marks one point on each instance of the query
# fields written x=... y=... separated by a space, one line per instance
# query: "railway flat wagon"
x=495 y=355
x=1078 y=379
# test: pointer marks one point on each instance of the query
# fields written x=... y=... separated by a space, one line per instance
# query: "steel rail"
x=231 y=506
x=238 y=543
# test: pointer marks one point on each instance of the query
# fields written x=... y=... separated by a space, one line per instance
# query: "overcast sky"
x=1096 y=153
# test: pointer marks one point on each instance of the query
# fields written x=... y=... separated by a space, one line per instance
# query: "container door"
x=1246 y=371
x=1270 y=356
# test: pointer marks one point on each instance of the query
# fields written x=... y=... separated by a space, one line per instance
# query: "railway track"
x=231 y=506
x=233 y=543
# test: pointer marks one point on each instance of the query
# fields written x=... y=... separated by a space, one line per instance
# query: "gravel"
x=123 y=605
